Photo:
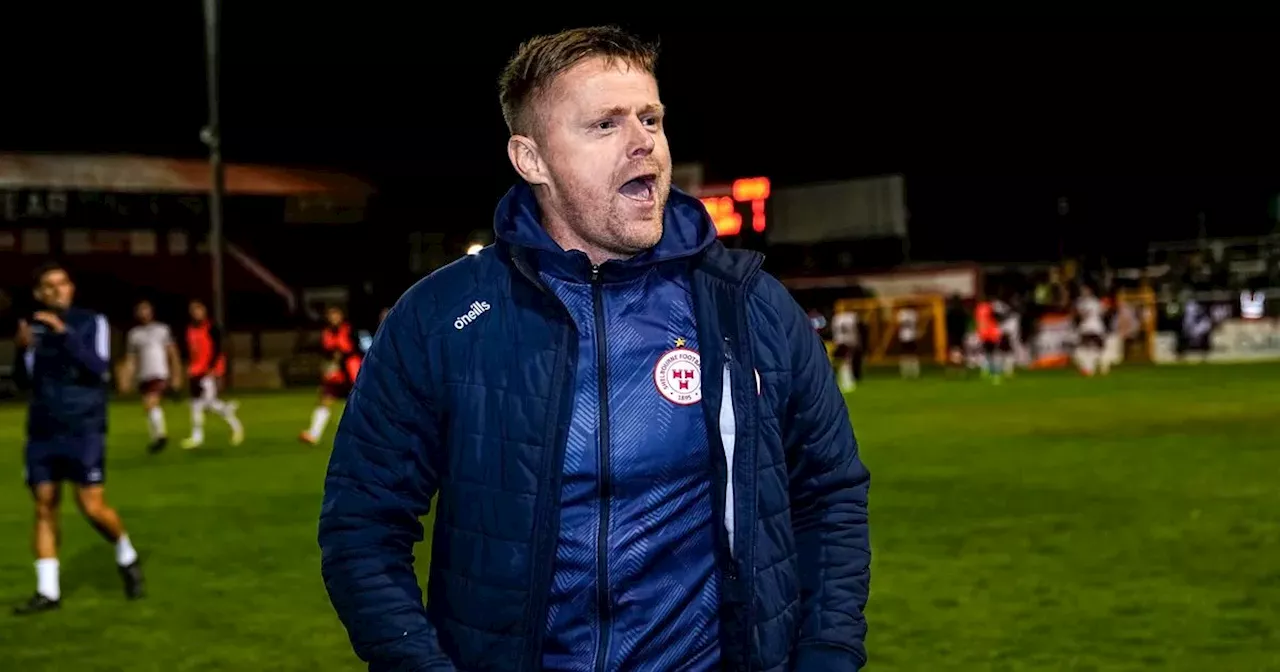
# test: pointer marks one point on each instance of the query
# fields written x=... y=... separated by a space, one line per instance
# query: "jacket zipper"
x=535 y=648
x=729 y=499
x=605 y=480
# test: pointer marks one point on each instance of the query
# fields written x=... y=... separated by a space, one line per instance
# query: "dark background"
x=1143 y=132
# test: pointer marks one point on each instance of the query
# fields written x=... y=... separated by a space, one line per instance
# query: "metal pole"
x=212 y=136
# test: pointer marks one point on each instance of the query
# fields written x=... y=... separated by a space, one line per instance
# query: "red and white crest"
x=678 y=376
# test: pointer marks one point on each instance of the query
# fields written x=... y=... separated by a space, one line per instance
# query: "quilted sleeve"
x=828 y=503
x=382 y=475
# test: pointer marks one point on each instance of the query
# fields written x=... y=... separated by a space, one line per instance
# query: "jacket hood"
x=686 y=230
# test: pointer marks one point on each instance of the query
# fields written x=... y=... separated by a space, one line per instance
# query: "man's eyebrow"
x=620 y=111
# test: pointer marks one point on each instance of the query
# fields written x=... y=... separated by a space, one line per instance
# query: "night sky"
x=1141 y=131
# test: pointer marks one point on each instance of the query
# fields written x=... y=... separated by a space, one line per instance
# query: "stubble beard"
x=597 y=222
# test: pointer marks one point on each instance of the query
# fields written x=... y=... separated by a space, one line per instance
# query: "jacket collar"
x=687 y=232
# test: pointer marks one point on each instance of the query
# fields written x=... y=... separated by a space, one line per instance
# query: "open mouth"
x=639 y=188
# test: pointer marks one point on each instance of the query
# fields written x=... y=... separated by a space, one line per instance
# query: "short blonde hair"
x=540 y=60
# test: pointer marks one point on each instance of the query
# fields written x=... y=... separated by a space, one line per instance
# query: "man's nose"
x=640 y=139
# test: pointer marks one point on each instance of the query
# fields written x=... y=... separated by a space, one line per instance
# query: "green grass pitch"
x=1050 y=523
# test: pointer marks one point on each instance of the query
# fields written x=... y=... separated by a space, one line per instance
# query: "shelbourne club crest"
x=678 y=376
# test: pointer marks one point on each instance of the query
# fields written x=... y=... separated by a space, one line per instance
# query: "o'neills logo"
x=477 y=309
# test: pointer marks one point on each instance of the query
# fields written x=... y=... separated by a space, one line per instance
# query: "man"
x=1197 y=332
x=1010 y=324
x=342 y=363
x=908 y=333
x=1093 y=333
x=641 y=458
x=957 y=331
x=987 y=316
x=206 y=365
x=153 y=359
x=847 y=334
x=64 y=365
x=364 y=337
x=818 y=321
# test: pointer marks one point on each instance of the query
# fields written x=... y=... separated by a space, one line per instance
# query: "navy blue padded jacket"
x=467 y=396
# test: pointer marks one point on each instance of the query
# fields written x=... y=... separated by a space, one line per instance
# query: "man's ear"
x=526 y=159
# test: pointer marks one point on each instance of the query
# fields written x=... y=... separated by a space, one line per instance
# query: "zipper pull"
x=728 y=349
x=595 y=273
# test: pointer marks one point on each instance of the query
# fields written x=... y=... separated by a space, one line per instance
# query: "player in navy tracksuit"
x=65 y=351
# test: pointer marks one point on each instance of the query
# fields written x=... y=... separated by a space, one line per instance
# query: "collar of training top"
x=686 y=230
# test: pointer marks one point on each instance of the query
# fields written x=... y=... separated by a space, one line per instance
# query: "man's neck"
x=564 y=236
x=557 y=227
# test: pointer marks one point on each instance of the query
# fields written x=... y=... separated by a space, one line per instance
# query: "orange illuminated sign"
x=728 y=222
x=757 y=216
x=751 y=189
x=724 y=212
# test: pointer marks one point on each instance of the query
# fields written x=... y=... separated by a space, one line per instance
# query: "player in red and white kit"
x=342 y=363
x=206 y=369
x=153 y=359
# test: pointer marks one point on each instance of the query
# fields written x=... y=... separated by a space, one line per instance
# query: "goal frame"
x=880 y=315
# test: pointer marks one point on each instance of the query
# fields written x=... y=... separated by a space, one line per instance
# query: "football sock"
x=319 y=418
x=197 y=420
x=47 y=578
x=155 y=423
x=846 y=379
x=125 y=553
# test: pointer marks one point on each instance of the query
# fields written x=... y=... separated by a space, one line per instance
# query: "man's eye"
x=605 y=125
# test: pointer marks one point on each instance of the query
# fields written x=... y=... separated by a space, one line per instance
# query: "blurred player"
x=366 y=337
x=1093 y=333
x=1197 y=332
x=66 y=352
x=818 y=321
x=153 y=358
x=989 y=333
x=341 y=366
x=957 y=330
x=206 y=365
x=846 y=333
x=1010 y=322
x=1126 y=326
x=908 y=332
